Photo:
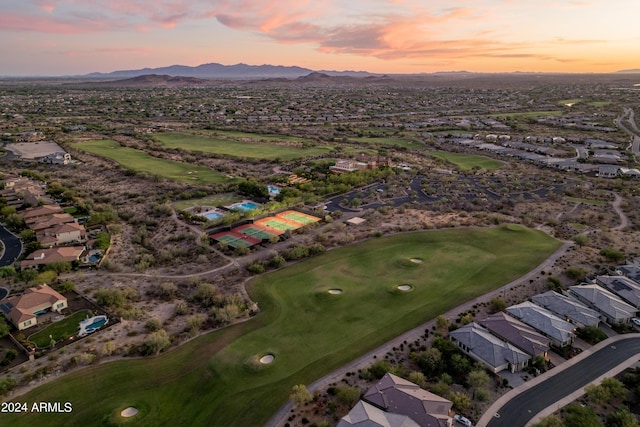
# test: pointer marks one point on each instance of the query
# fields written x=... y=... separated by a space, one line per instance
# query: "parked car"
x=635 y=321
x=462 y=420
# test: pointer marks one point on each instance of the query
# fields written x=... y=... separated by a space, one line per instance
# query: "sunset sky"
x=68 y=37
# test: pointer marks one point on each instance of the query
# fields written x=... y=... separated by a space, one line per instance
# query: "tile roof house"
x=40 y=211
x=560 y=331
x=613 y=308
x=488 y=349
x=366 y=415
x=23 y=310
x=399 y=396
x=517 y=333
x=623 y=287
x=61 y=234
x=44 y=222
x=631 y=271
x=47 y=256
x=568 y=308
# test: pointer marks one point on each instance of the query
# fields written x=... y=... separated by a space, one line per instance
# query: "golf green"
x=217 y=380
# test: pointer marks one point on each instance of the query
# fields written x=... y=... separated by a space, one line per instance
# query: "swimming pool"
x=92 y=324
x=213 y=215
x=245 y=206
x=273 y=189
x=94 y=258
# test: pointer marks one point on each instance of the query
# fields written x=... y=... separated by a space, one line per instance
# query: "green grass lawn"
x=215 y=380
x=468 y=161
x=586 y=201
x=140 y=161
x=59 y=330
x=255 y=150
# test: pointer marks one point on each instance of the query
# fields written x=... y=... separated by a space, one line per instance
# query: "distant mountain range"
x=225 y=72
x=632 y=71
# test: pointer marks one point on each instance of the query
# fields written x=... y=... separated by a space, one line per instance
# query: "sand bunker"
x=405 y=287
x=267 y=358
x=129 y=412
x=335 y=291
x=416 y=260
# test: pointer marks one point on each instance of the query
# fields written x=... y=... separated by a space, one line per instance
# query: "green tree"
x=418 y=378
x=7 y=271
x=612 y=255
x=497 y=304
x=300 y=395
x=550 y=421
x=478 y=379
x=430 y=361
x=581 y=239
x=347 y=396
x=66 y=287
x=155 y=343
x=4 y=327
x=461 y=402
x=591 y=334
x=622 y=418
x=579 y=416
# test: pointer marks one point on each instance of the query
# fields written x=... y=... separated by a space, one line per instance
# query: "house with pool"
x=23 y=310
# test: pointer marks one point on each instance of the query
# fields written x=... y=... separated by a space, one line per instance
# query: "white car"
x=462 y=420
x=635 y=321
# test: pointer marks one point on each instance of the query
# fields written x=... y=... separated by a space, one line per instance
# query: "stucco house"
x=484 y=347
x=612 y=308
x=517 y=333
x=61 y=234
x=23 y=310
x=623 y=287
x=568 y=308
x=399 y=396
x=548 y=324
x=57 y=254
x=366 y=415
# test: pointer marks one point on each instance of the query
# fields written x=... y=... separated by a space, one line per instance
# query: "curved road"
x=563 y=384
x=12 y=247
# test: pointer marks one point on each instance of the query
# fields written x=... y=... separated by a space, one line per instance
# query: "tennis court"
x=298 y=217
x=255 y=231
x=276 y=223
x=235 y=240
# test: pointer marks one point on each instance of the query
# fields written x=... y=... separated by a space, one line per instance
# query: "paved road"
x=12 y=247
x=558 y=386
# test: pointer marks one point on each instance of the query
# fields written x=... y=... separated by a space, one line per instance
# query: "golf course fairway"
x=218 y=380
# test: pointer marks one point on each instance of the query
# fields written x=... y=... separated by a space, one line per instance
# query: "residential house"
x=62 y=234
x=31 y=214
x=57 y=158
x=568 y=308
x=631 y=271
x=612 y=308
x=623 y=287
x=606 y=171
x=548 y=324
x=488 y=349
x=48 y=256
x=366 y=415
x=44 y=222
x=24 y=310
x=517 y=333
x=399 y=396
